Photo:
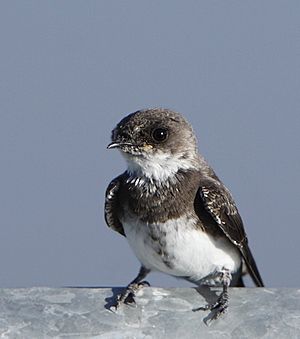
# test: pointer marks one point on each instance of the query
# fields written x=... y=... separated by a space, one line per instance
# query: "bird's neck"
x=160 y=167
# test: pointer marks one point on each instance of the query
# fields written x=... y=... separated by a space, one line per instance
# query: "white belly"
x=178 y=249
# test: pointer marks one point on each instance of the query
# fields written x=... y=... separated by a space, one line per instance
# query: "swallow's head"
x=155 y=139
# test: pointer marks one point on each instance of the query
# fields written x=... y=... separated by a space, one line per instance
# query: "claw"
x=216 y=312
x=113 y=308
x=221 y=305
x=218 y=308
x=127 y=297
x=130 y=299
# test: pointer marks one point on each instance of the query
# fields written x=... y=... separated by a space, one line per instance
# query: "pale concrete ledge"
x=160 y=313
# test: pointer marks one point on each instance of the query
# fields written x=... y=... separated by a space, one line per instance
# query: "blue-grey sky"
x=70 y=70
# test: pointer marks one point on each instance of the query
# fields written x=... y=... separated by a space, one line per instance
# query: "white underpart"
x=192 y=253
x=158 y=166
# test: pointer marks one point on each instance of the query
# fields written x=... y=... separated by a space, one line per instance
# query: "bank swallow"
x=174 y=211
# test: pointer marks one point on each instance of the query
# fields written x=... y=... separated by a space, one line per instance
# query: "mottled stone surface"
x=159 y=313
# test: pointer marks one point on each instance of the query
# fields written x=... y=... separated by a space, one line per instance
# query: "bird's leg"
x=127 y=297
x=221 y=305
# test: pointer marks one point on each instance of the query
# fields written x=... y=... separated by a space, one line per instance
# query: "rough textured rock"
x=159 y=313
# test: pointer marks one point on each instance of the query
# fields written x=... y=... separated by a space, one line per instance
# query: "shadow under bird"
x=176 y=214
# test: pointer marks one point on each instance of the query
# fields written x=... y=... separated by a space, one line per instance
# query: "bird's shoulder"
x=214 y=200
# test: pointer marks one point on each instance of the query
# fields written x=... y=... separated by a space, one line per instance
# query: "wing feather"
x=112 y=206
x=219 y=203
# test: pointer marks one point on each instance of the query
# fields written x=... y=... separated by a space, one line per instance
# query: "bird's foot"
x=218 y=308
x=127 y=297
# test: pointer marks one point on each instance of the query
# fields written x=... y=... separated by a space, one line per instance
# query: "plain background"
x=70 y=70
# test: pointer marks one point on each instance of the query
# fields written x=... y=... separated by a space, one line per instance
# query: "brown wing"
x=218 y=202
x=112 y=206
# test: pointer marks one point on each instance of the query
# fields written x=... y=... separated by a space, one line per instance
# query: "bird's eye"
x=160 y=134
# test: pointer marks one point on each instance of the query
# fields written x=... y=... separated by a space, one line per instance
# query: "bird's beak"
x=113 y=145
x=116 y=144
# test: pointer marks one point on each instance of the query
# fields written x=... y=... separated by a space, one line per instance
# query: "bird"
x=176 y=214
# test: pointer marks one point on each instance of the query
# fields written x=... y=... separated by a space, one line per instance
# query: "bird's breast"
x=180 y=248
x=157 y=202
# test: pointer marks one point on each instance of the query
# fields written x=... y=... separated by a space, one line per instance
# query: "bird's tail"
x=251 y=266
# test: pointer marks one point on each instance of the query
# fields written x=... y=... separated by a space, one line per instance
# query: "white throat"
x=159 y=166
